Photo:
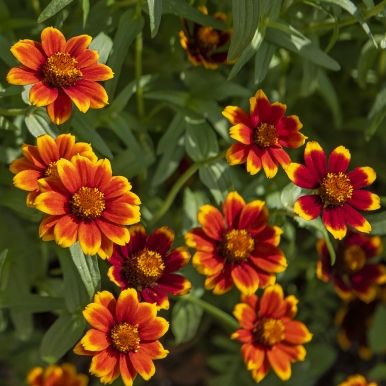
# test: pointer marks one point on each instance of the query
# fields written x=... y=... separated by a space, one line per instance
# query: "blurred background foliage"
x=163 y=129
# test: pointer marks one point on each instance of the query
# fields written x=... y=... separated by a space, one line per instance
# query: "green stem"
x=328 y=25
x=13 y=112
x=225 y=319
x=180 y=183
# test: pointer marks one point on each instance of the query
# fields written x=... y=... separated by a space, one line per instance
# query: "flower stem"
x=180 y=183
x=225 y=319
x=138 y=75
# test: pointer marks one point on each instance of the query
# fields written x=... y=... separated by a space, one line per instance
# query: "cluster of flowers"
x=82 y=201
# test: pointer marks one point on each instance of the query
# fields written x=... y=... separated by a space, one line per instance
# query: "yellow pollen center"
x=354 y=258
x=125 y=337
x=208 y=36
x=269 y=331
x=51 y=170
x=266 y=135
x=335 y=189
x=143 y=269
x=88 y=203
x=61 y=70
x=238 y=245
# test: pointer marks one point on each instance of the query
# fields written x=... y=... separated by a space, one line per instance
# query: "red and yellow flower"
x=205 y=46
x=354 y=321
x=236 y=247
x=147 y=264
x=357 y=380
x=85 y=203
x=40 y=161
x=61 y=72
x=338 y=195
x=56 y=375
x=123 y=338
x=355 y=273
x=270 y=337
x=262 y=134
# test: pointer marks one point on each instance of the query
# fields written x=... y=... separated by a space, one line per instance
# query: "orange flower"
x=56 y=375
x=123 y=338
x=205 y=45
x=356 y=273
x=85 y=203
x=262 y=134
x=237 y=246
x=270 y=337
x=147 y=264
x=40 y=161
x=61 y=72
x=357 y=380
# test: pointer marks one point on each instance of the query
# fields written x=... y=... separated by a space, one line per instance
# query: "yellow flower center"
x=238 y=245
x=88 y=203
x=61 y=70
x=354 y=258
x=335 y=189
x=143 y=269
x=208 y=36
x=51 y=170
x=125 y=337
x=269 y=331
x=266 y=135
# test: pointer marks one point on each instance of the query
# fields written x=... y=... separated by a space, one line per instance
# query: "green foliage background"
x=163 y=129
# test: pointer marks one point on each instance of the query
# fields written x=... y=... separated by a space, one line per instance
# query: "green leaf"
x=377 y=333
x=172 y=134
x=185 y=320
x=30 y=302
x=263 y=59
x=366 y=62
x=200 y=140
x=38 y=124
x=103 y=44
x=378 y=372
x=3 y=257
x=61 y=336
x=5 y=53
x=52 y=9
x=183 y=9
x=289 y=195
x=86 y=10
x=128 y=28
x=155 y=13
x=75 y=293
x=88 y=269
x=245 y=21
x=288 y=37
x=192 y=203
x=378 y=223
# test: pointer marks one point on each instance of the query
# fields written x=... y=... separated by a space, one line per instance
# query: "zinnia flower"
x=236 y=247
x=147 y=264
x=270 y=337
x=123 y=338
x=61 y=72
x=40 y=161
x=355 y=273
x=337 y=194
x=85 y=203
x=205 y=45
x=357 y=380
x=262 y=135
x=354 y=321
x=56 y=375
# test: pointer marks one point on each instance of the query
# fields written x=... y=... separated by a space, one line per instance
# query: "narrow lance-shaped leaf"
x=155 y=13
x=52 y=9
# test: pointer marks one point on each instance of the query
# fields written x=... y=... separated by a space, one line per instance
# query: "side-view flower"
x=61 y=73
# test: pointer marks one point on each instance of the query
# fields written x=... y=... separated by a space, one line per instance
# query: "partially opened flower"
x=56 y=375
x=354 y=322
x=337 y=194
x=357 y=380
x=205 y=46
x=61 y=72
x=40 y=161
x=270 y=337
x=355 y=273
x=124 y=337
x=147 y=264
x=85 y=203
x=262 y=135
x=236 y=247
